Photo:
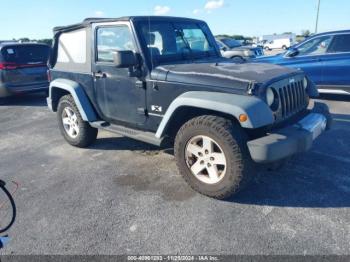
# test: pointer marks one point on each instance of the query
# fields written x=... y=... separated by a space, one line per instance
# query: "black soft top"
x=88 y=21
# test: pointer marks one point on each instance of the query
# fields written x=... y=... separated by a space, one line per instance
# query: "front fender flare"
x=258 y=112
x=76 y=90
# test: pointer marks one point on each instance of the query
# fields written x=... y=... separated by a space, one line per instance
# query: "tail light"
x=12 y=65
x=8 y=66
x=48 y=75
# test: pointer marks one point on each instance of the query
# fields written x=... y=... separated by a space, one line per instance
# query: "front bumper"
x=291 y=140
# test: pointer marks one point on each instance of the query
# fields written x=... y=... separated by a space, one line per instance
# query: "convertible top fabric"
x=89 y=21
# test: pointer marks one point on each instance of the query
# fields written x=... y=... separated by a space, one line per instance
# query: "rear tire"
x=284 y=47
x=227 y=155
x=74 y=129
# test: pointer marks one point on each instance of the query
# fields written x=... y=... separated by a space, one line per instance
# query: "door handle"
x=99 y=74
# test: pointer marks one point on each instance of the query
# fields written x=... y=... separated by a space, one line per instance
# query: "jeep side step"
x=147 y=137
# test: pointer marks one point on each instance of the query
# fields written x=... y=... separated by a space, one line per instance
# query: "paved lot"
x=122 y=196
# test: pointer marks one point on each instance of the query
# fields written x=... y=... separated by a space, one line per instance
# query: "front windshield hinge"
x=251 y=88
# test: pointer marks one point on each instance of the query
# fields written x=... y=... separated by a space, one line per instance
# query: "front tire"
x=212 y=156
x=237 y=59
x=74 y=129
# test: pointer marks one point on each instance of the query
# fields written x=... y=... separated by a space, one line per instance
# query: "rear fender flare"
x=76 y=90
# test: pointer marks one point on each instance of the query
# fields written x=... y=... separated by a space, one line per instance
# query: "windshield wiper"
x=181 y=34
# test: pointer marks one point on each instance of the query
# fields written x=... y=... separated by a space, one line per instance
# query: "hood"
x=275 y=59
x=243 y=48
x=221 y=74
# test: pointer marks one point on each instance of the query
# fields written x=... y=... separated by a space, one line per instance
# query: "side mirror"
x=292 y=52
x=124 y=59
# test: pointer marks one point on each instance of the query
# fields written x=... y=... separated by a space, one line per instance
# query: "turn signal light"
x=243 y=118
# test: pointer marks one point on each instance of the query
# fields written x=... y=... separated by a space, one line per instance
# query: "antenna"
x=149 y=40
x=318 y=12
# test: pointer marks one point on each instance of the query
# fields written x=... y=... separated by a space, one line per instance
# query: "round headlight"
x=305 y=82
x=270 y=96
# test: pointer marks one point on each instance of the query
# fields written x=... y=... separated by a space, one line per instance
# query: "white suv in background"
x=284 y=43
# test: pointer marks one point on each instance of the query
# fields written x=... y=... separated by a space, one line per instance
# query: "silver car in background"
x=231 y=48
x=23 y=68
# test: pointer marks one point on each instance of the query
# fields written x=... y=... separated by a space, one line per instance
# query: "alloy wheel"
x=70 y=122
x=205 y=159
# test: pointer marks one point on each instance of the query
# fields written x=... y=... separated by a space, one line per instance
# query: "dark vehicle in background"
x=324 y=57
x=231 y=48
x=23 y=68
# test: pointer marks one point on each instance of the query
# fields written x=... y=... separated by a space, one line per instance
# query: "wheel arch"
x=185 y=113
x=237 y=56
x=231 y=106
x=61 y=87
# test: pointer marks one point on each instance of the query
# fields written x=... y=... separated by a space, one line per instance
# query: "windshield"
x=177 y=41
x=26 y=54
x=231 y=43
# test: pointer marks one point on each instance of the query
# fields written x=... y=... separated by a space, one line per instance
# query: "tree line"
x=47 y=41
x=304 y=34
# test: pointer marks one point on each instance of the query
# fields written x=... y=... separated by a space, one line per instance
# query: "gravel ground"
x=126 y=197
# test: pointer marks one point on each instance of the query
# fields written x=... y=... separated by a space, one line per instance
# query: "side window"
x=154 y=42
x=72 y=47
x=112 y=39
x=341 y=43
x=196 y=39
x=158 y=41
x=316 y=46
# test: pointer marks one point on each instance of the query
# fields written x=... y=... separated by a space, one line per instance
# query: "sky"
x=36 y=18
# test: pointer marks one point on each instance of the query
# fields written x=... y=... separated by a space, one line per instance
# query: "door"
x=310 y=57
x=337 y=63
x=119 y=97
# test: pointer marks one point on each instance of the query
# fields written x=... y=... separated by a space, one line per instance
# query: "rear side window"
x=72 y=47
x=341 y=43
x=26 y=54
x=73 y=51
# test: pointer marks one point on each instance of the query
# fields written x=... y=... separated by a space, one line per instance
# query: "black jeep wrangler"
x=162 y=80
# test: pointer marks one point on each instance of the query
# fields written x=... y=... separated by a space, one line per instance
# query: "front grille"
x=293 y=99
x=258 y=52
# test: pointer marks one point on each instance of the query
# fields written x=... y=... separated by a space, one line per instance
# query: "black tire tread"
x=87 y=134
x=233 y=135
